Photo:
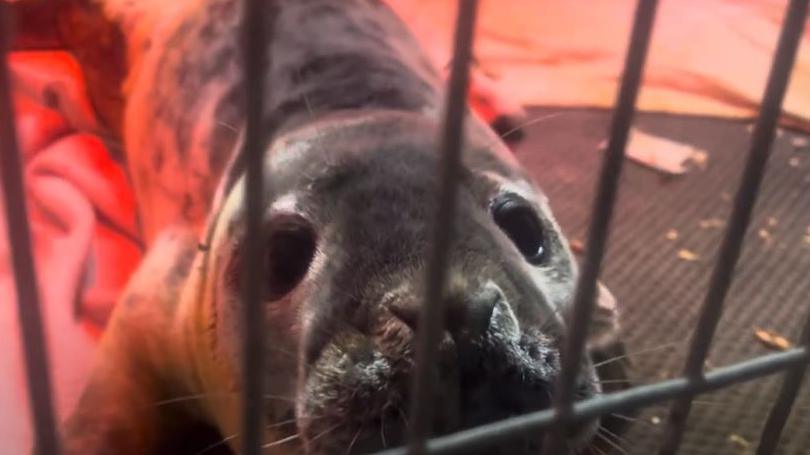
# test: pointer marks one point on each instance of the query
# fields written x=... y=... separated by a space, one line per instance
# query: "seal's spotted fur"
x=352 y=109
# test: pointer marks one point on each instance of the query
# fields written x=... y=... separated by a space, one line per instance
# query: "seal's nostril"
x=406 y=311
x=469 y=315
x=472 y=315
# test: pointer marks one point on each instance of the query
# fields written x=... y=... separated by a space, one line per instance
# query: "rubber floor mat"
x=660 y=290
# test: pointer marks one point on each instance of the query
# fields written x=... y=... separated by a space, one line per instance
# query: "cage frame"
x=792 y=363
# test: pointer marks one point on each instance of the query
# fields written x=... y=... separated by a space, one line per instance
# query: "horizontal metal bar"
x=19 y=238
x=636 y=397
x=255 y=31
x=737 y=226
x=431 y=318
x=784 y=403
x=601 y=215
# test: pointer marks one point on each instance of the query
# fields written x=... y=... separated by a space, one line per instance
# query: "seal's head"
x=347 y=231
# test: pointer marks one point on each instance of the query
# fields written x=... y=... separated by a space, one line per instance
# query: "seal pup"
x=353 y=111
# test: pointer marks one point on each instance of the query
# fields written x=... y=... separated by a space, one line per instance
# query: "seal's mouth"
x=355 y=398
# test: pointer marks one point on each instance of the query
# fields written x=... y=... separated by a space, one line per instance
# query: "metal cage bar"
x=19 y=238
x=601 y=214
x=784 y=403
x=635 y=397
x=431 y=319
x=255 y=53
x=740 y=218
x=257 y=25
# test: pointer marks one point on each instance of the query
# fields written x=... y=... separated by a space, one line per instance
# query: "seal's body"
x=185 y=90
x=353 y=110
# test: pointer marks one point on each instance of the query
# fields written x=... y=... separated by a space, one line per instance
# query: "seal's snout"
x=464 y=316
x=514 y=379
x=490 y=367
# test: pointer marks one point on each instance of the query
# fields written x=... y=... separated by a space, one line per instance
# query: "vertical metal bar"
x=740 y=217
x=601 y=215
x=778 y=416
x=431 y=321
x=254 y=46
x=19 y=238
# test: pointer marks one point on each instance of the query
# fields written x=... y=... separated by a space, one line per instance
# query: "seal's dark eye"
x=290 y=248
x=520 y=223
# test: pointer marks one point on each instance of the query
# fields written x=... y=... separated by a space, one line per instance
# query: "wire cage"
x=791 y=364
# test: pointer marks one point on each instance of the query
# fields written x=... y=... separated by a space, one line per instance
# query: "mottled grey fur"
x=352 y=119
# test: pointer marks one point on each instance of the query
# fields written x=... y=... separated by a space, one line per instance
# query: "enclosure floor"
x=659 y=293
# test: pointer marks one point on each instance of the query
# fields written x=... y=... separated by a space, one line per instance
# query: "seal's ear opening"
x=605 y=323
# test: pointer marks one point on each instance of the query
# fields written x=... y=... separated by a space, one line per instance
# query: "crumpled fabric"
x=706 y=57
x=84 y=234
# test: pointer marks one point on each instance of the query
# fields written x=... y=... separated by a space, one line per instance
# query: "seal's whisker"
x=285 y=422
x=323 y=433
x=612 y=439
x=626 y=418
x=235 y=435
x=200 y=396
x=616 y=381
x=531 y=122
x=281 y=441
x=615 y=445
x=217 y=444
x=382 y=433
x=309 y=106
x=185 y=398
x=228 y=126
x=402 y=415
x=354 y=439
x=615 y=436
x=635 y=353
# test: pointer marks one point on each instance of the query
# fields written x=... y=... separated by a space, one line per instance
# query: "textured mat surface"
x=660 y=293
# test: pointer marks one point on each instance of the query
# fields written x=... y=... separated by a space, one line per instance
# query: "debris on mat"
x=765 y=236
x=799 y=142
x=664 y=155
x=687 y=255
x=711 y=223
x=772 y=340
x=794 y=161
x=739 y=441
x=671 y=234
